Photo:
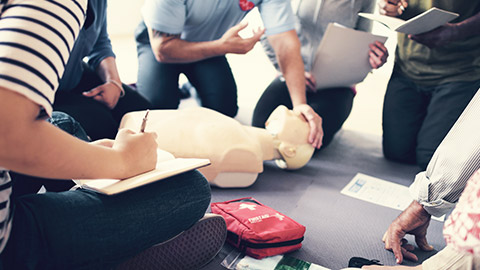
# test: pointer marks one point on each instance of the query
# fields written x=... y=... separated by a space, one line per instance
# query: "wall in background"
x=123 y=16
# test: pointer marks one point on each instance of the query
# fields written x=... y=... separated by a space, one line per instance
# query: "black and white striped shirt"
x=36 y=37
x=455 y=160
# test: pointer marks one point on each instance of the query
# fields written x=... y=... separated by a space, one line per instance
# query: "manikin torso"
x=236 y=151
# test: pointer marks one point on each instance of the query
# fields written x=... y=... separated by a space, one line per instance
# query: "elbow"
x=161 y=53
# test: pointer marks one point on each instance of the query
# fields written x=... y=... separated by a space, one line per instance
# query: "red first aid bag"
x=257 y=229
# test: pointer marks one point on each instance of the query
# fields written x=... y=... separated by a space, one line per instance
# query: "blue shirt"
x=207 y=20
x=92 y=42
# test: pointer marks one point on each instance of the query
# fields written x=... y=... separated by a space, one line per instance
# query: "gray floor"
x=338 y=227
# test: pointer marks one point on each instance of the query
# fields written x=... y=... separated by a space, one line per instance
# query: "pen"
x=144 y=122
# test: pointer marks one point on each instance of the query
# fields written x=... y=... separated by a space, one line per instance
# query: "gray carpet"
x=338 y=227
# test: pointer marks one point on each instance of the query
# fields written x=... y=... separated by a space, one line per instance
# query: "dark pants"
x=98 y=120
x=416 y=118
x=158 y=82
x=81 y=229
x=333 y=105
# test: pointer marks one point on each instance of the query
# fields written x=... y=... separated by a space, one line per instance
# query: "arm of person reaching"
x=450 y=32
x=102 y=60
x=436 y=190
x=287 y=48
x=169 y=48
x=33 y=146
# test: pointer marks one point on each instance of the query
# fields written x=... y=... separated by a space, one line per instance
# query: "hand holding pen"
x=392 y=7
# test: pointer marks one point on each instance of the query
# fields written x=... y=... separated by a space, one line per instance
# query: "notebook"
x=421 y=23
x=167 y=165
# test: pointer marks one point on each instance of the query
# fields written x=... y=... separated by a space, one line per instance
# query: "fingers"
x=239 y=27
x=422 y=243
x=311 y=82
x=407 y=255
x=94 y=92
x=391 y=7
x=258 y=33
x=316 y=133
x=378 y=55
x=393 y=241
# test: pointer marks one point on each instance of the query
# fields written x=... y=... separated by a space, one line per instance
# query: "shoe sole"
x=190 y=250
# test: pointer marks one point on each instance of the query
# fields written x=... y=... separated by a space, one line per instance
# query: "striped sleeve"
x=36 y=37
x=455 y=160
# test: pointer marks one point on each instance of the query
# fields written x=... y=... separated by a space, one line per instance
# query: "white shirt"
x=455 y=160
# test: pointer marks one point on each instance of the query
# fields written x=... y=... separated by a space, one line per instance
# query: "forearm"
x=469 y=27
x=287 y=49
x=172 y=49
x=35 y=147
x=454 y=161
x=107 y=70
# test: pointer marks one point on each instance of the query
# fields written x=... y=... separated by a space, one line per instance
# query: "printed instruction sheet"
x=378 y=191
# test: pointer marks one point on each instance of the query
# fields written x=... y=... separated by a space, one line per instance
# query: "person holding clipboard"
x=333 y=105
x=434 y=77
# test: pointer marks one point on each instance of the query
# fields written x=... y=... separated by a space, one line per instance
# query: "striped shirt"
x=455 y=160
x=36 y=37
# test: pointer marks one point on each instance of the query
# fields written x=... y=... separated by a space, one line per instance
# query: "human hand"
x=378 y=54
x=396 y=267
x=232 y=42
x=392 y=7
x=311 y=82
x=413 y=220
x=107 y=93
x=314 y=121
x=437 y=37
x=139 y=151
x=104 y=142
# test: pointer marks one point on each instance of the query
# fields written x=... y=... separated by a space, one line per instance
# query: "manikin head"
x=291 y=131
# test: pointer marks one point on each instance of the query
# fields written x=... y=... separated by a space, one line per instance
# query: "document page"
x=342 y=56
x=381 y=192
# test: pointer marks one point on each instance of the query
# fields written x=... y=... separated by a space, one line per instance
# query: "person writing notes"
x=192 y=37
x=78 y=229
x=435 y=75
x=332 y=104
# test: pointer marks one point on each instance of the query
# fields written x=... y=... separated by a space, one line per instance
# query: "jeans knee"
x=68 y=124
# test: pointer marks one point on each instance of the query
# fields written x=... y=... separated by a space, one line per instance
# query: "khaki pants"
x=451 y=259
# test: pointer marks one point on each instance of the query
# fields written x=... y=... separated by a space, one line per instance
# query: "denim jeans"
x=158 y=82
x=25 y=184
x=81 y=229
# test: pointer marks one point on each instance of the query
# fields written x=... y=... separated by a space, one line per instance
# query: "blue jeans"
x=25 y=184
x=81 y=229
x=416 y=118
x=158 y=82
